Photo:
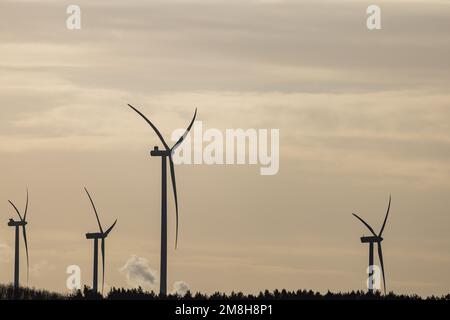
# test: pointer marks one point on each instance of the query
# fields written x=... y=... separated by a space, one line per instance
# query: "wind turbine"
x=17 y=224
x=164 y=154
x=376 y=238
x=98 y=235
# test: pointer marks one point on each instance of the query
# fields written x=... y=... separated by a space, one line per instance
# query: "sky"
x=362 y=114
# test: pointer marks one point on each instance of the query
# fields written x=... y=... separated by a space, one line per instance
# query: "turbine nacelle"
x=96 y=235
x=371 y=239
x=160 y=153
x=13 y=223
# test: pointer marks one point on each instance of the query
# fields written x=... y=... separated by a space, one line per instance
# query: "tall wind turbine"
x=102 y=236
x=17 y=224
x=164 y=154
x=376 y=238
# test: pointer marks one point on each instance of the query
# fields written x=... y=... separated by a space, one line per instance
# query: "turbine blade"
x=366 y=224
x=26 y=249
x=380 y=256
x=385 y=218
x=103 y=263
x=185 y=133
x=95 y=210
x=110 y=228
x=15 y=208
x=174 y=186
x=151 y=125
x=26 y=209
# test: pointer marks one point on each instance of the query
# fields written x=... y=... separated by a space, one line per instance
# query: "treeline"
x=122 y=294
x=7 y=293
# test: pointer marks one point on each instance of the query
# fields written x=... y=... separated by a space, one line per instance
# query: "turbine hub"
x=13 y=223
x=160 y=153
x=95 y=235
x=371 y=239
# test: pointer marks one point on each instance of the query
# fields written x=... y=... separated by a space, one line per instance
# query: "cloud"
x=180 y=288
x=239 y=45
x=138 y=272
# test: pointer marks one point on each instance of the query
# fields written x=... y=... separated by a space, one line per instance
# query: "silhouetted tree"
x=7 y=293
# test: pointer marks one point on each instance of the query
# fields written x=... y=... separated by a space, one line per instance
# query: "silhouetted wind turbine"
x=99 y=235
x=164 y=154
x=375 y=239
x=21 y=223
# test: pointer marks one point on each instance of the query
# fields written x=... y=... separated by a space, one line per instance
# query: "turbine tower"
x=164 y=154
x=17 y=224
x=375 y=238
x=96 y=236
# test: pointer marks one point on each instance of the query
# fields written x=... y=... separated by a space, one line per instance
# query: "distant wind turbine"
x=375 y=239
x=164 y=154
x=99 y=235
x=17 y=224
